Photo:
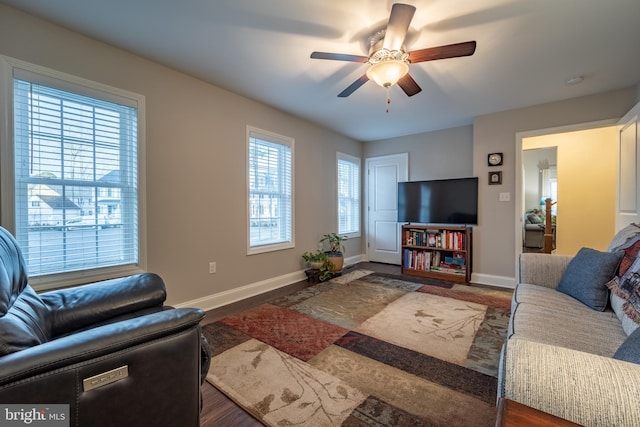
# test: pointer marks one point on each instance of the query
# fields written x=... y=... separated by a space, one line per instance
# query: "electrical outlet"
x=212 y=267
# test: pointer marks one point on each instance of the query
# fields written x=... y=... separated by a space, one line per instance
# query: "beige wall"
x=195 y=157
x=440 y=154
x=494 y=238
x=587 y=165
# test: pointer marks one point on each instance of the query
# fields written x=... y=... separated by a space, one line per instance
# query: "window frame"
x=8 y=68
x=355 y=160
x=254 y=132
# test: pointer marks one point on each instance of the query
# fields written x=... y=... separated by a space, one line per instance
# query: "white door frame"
x=631 y=196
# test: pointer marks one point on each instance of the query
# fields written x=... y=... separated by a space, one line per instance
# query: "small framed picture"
x=495 y=178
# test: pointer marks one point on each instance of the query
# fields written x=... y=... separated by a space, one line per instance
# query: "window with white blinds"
x=270 y=199
x=75 y=176
x=348 y=195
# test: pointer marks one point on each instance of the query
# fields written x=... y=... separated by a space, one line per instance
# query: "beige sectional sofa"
x=559 y=353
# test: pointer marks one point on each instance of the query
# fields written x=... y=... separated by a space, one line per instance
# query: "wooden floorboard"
x=220 y=411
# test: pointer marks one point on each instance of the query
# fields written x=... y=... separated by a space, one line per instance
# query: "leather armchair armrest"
x=95 y=343
x=80 y=306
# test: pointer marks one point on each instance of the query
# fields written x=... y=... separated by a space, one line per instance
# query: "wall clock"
x=494 y=159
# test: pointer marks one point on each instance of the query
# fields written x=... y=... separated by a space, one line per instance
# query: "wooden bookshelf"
x=442 y=252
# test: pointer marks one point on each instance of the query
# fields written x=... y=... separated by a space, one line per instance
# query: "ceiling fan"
x=388 y=59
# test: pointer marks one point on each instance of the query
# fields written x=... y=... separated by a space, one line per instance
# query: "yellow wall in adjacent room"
x=586 y=187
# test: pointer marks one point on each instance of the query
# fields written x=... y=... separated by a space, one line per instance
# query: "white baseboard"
x=492 y=280
x=354 y=259
x=234 y=295
x=238 y=294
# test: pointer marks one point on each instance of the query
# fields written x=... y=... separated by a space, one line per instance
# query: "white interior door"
x=628 y=203
x=383 y=230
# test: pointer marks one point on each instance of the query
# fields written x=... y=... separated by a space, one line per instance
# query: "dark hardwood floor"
x=220 y=411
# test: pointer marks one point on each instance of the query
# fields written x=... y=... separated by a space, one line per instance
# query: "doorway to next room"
x=577 y=171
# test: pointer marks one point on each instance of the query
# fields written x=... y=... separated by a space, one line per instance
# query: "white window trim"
x=8 y=66
x=281 y=139
x=352 y=159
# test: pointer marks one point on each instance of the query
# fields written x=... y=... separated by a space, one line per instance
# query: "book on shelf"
x=435 y=260
x=449 y=270
x=417 y=259
x=444 y=239
x=455 y=260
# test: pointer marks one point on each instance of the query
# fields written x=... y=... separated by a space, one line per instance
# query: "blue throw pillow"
x=587 y=274
x=629 y=351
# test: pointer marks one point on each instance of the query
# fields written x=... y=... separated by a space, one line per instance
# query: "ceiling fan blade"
x=339 y=57
x=443 y=52
x=408 y=85
x=353 y=86
x=398 y=25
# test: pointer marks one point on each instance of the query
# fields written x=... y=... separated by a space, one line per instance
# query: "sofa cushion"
x=627 y=288
x=618 y=305
x=586 y=330
x=629 y=351
x=630 y=254
x=623 y=236
x=534 y=219
x=549 y=298
x=543 y=269
x=587 y=275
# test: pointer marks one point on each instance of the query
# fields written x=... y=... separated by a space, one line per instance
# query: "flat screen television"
x=441 y=201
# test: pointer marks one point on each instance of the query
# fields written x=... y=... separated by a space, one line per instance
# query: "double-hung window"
x=73 y=177
x=348 y=195
x=270 y=191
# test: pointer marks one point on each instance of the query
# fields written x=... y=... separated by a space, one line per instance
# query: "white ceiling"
x=526 y=49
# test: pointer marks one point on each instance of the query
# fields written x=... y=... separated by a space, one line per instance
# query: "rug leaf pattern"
x=280 y=389
x=362 y=350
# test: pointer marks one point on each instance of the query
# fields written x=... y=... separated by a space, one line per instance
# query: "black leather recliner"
x=111 y=350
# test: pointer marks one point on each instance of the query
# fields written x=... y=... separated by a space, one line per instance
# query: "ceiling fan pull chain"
x=388 y=98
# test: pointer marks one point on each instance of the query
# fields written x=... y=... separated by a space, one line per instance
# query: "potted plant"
x=336 y=250
x=315 y=259
x=327 y=270
x=320 y=268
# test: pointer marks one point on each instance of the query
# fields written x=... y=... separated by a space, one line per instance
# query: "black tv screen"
x=442 y=201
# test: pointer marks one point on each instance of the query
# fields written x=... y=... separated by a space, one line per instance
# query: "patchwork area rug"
x=365 y=349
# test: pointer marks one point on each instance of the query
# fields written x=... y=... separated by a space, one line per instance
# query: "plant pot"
x=337 y=259
x=315 y=265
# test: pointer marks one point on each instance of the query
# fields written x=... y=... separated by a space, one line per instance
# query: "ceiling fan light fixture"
x=388 y=58
x=387 y=72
